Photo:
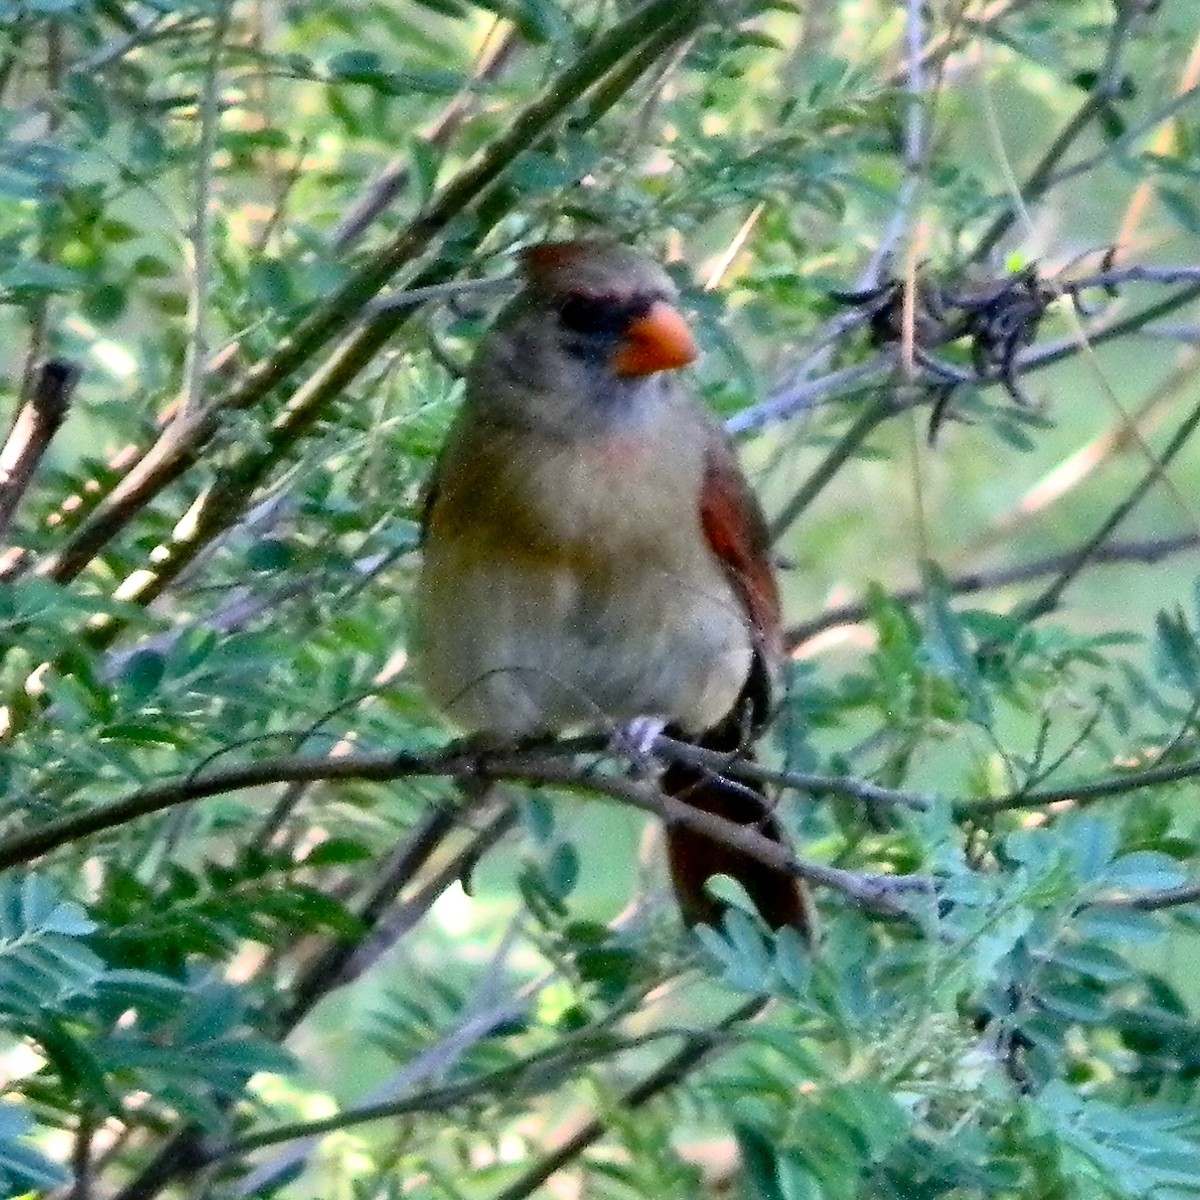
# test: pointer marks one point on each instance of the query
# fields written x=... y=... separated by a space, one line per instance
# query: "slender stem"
x=699 y=1049
x=1149 y=551
x=1104 y=91
x=1047 y=600
x=391 y=182
x=1081 y=793
x=868 y=420
x=192 y=397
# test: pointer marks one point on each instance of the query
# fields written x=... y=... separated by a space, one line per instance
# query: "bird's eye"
x=588 y=314
x=599 y=315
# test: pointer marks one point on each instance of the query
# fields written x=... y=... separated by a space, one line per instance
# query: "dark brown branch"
x=32 y=430
x=554 y=766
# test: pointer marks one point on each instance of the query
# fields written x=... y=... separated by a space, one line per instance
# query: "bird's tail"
x=693 y=858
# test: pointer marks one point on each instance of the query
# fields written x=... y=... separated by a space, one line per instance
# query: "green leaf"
x=23 y=1168
x=1178 y=653
x=1092 y=843
x=1144 y=871
x=758 y=1164
x=1106 y=923
x=947 y=647
x=1181 y=206
x=795 y=1180
x=1094 y=961
x=562 y=869
x=143 y=673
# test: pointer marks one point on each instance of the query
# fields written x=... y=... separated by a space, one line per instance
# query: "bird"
x=594 y=556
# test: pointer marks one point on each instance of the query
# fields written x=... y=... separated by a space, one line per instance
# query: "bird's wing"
x=737 y=533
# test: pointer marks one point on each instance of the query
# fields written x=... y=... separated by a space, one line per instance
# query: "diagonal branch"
x=694 y=1054
x=1047 y=600
x=32 y=430
x=1149 y=551
x=1105 y=89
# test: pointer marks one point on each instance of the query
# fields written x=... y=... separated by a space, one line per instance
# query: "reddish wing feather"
x=736 y=530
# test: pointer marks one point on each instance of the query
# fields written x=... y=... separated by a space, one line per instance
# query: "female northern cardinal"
x=593 y=553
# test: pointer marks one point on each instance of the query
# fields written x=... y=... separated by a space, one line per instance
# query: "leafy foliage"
x=260 y=930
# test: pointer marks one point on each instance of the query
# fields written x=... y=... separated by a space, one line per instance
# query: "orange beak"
x=658 y=341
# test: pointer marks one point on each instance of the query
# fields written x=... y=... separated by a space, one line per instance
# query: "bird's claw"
x=635 y=740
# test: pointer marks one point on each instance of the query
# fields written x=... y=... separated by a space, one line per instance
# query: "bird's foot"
x=635 y=740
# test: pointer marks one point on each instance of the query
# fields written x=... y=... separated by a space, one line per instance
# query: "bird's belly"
x=518 y=649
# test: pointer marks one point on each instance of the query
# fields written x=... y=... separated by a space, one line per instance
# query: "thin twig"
x=1156 y=901
x=1047 y=600
x=790 y=401
x=1119 y=784
x=1149 y=551
x=873 y=414
x=327 y=969
x=194 y=372
x=694 y=1054
x=1128 y=139
x=437 y=1059
x=393 y=180
x=1104 y=91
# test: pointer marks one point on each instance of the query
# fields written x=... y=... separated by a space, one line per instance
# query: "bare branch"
x=1047 y=600
x=199 y=237
x=32 y=430
x=1118 y=784
x=1104 y=91
x=1155 y=901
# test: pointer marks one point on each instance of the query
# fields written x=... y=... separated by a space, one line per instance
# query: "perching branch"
x=551 y=765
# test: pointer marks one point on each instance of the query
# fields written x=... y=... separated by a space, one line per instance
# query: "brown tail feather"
x=693 y=858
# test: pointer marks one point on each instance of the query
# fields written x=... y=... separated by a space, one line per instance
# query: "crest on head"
x=595 y=267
